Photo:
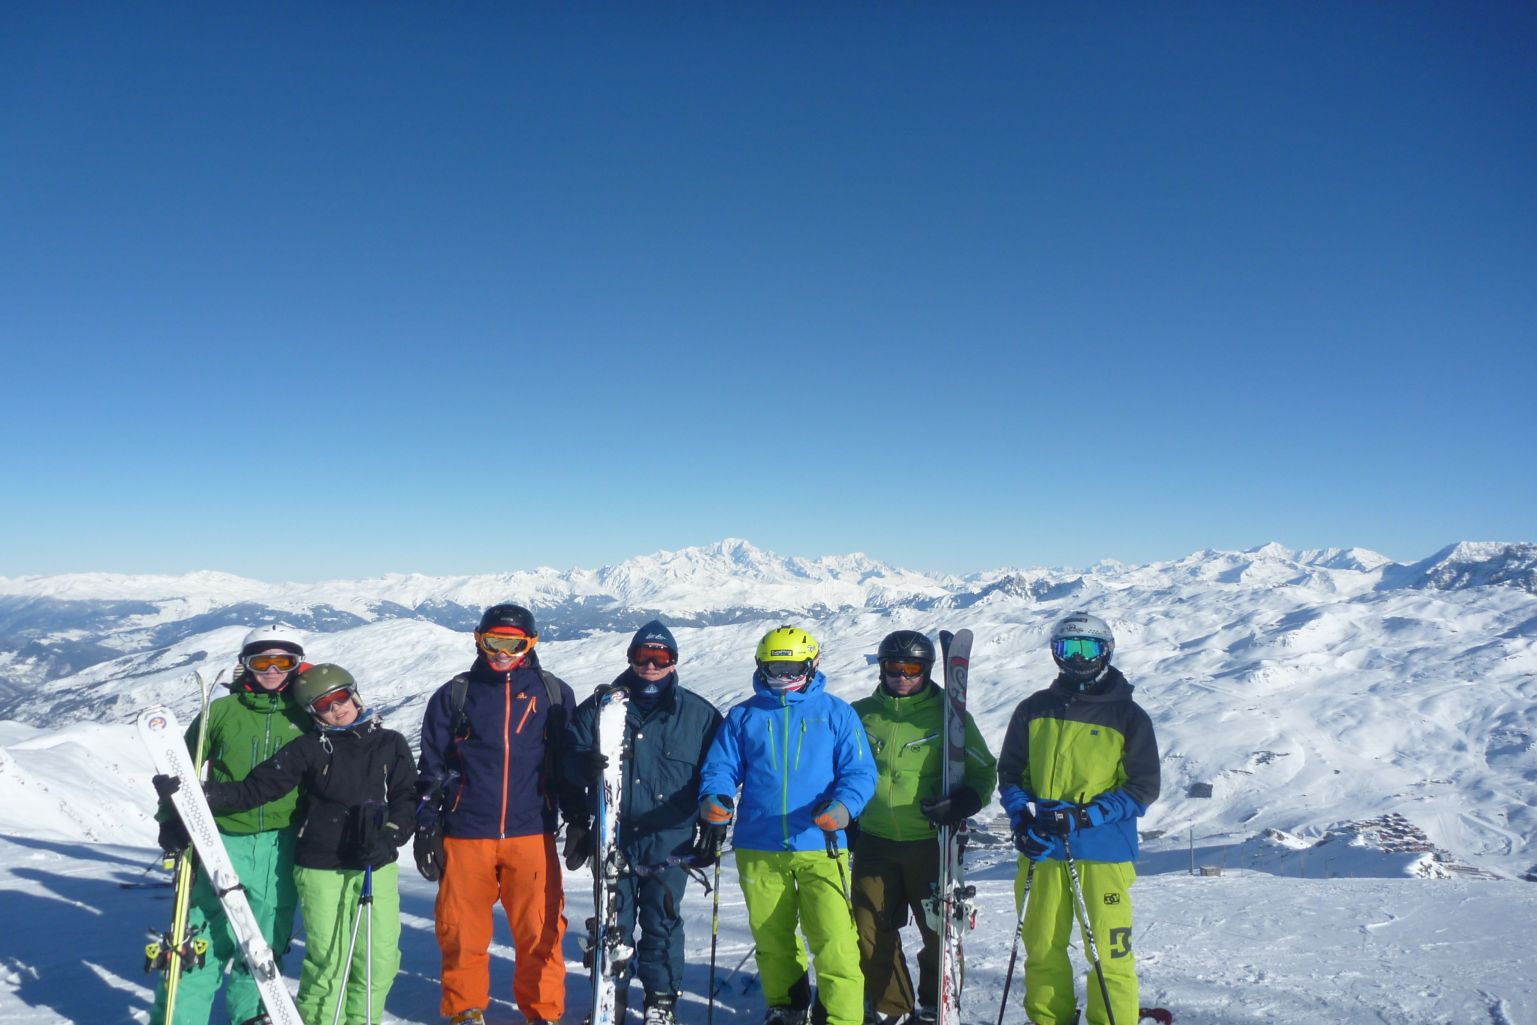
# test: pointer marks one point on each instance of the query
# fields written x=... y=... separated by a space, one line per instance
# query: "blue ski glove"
x=1033 y=845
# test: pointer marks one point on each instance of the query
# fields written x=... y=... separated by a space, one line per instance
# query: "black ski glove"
x=951 y=811
x=165 y=786
x=578 y=846
x=429 y=850
x=593 y=763
x=173 y=838
x=708 y=840
x=1063 y=819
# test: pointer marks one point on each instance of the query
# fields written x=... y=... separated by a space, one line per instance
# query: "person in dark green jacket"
x=896 y=857
x=245 y=728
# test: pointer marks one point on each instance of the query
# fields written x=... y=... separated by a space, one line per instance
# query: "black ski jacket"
x=339 y=773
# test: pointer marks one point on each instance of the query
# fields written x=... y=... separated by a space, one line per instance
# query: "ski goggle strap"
x=1087 y=648
x=263 y=663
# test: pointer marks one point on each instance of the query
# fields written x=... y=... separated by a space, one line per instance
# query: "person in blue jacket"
x=798 y=756
x=668 y=729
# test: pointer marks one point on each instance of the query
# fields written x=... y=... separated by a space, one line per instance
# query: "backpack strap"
x=461 y=722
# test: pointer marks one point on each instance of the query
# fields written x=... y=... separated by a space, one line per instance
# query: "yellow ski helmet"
x=787 y=644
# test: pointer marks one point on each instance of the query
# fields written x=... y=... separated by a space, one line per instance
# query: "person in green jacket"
x=896 y=857
x=245 y=728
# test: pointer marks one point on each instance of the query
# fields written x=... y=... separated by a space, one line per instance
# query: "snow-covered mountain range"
x=1308 y=693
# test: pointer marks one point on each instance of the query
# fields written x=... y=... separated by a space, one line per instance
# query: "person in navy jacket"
x=490 y=781
x=668 y=729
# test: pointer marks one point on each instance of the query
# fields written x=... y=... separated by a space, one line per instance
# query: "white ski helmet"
x=1082 y=646
x=273 y=636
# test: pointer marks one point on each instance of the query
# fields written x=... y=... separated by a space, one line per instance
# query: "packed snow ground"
x=1243 y=947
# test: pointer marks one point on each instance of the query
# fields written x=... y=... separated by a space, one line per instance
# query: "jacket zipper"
x=506 y=748
x=784 y=790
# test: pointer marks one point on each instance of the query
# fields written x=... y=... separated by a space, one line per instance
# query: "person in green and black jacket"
x=245 y=728
x=1079 y=766
x=896 y=857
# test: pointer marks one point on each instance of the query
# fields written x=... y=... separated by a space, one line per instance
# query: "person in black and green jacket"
x=1079 y=766
x=245 y=728
x=896 y=857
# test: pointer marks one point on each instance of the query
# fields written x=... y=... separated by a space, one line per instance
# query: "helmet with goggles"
x=786 y=657
x=506 y=630
x=317 y=684
x=1082 y=645
x=905 y=648
x=264 y=638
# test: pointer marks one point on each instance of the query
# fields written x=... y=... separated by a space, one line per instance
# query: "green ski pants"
x=264 y=862
x=330 y=901
x=784 y=888
x=1050 y=922
x=891 y=879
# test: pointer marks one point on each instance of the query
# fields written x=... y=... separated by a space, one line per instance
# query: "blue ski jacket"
x=788 y=752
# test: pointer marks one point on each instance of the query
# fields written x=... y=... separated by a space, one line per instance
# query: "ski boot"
x=473 y=1016
x=661 y=1009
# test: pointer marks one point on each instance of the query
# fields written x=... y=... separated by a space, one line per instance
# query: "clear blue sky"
x=313 y=290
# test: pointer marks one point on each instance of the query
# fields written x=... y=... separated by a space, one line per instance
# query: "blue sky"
x=303 y=291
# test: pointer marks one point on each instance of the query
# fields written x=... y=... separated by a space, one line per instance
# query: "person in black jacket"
x=357 y=788
x=669 y=729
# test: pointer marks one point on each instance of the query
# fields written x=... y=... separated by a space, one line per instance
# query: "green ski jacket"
x=906 y=737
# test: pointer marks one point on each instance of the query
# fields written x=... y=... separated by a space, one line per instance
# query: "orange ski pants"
x=521 y=872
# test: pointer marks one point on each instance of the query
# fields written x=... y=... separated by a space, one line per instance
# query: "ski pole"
x=709 y=1015
x=1019 y=927
x=843 y=875
x=1087 y=926
x=365 y=898
x=733 y=973
x=368 y=955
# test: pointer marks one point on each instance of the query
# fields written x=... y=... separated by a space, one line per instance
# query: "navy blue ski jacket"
x=667 y=743
x=499 y=773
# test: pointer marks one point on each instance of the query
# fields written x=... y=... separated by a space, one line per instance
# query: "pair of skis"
x=162 y=737
x=608 y=952
x=952 y=905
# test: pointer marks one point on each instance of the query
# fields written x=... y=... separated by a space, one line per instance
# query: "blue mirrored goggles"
x=1087 y=648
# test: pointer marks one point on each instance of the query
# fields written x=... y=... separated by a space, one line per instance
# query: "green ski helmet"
x=318 y=681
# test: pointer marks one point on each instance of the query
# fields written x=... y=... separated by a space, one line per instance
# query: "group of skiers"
x=314 y=796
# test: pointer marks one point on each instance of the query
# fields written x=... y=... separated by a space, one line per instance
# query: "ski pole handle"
x=832 y=843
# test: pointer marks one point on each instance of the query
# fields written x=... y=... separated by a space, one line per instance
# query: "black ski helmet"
x=508 y=614
x=908 y=646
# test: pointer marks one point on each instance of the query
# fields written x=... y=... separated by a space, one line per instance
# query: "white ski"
x=609 y=951
x=162 y=736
